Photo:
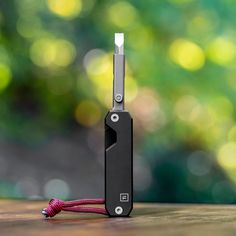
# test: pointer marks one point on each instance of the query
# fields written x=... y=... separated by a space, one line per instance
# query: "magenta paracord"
x=56 y=205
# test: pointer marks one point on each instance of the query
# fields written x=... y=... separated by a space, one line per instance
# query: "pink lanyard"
x=56 y=205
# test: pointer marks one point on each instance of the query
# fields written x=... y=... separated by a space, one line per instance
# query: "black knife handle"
x=118 y=163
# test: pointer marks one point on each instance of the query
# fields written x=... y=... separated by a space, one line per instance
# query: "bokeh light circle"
x=48 y=52
x=87 y=113
x=65 y=8
x=187 y=54
x=5 y=76
x=56 y=188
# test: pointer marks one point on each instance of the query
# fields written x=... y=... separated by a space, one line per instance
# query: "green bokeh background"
x=56 y=78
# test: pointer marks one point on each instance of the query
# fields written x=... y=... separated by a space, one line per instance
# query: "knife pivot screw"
x=119 y=210
x=118 y=98
x=114 y=117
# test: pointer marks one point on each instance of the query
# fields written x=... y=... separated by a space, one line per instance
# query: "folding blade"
x=118 y=73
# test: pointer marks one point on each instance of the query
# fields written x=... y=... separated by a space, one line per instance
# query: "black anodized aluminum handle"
x=118 y=163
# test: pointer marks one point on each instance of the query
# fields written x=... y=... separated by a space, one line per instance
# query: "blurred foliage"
x=56 y=75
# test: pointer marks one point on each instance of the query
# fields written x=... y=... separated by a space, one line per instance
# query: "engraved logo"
x=124 y=197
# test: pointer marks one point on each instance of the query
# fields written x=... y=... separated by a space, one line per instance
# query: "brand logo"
x=124 y=197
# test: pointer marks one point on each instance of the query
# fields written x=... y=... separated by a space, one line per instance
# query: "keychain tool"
x=118 y=153
x=118 y=142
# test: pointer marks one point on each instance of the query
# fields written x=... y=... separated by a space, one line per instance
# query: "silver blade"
x=119 y=43
x=118 y=72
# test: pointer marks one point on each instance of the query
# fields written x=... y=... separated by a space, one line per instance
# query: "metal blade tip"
x=119 y=39
x=119 y=43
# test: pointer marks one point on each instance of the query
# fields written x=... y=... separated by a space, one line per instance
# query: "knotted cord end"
x=54 y=207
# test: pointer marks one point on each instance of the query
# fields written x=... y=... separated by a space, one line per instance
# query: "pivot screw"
x=119 y=210
x=114 y=117
x=118 y=98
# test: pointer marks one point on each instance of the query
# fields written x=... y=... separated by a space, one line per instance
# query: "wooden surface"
x=24 y=218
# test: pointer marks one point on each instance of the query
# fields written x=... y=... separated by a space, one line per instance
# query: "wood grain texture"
x=24 y=218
